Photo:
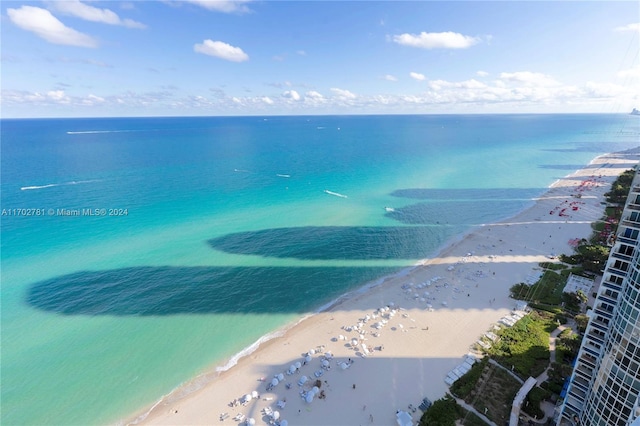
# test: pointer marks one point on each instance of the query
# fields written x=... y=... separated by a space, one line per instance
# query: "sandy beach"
x=385 y=349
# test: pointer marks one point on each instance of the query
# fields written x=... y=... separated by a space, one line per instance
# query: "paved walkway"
x=552 y=352
x=474 y=411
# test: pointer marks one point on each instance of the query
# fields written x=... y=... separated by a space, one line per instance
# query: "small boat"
x=390 y=209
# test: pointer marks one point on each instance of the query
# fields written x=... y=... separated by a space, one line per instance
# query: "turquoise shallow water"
x=226 y=233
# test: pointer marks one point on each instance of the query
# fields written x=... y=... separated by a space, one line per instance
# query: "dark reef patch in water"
x=169 y=290
x=333 y=242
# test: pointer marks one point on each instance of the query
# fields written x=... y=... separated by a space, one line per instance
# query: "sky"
x=81 y=58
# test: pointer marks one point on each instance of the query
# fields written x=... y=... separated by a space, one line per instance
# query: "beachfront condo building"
x=604 y=388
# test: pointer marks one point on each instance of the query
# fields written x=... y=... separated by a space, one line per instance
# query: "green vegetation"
x=620 y=188
x=548 y=290
x=525 y=346
x=557 y=372
x=467 y=383
x=443 y=412
x=470 y=419
x=592 y=257
x=567 y=346
x=446 y=412
x=531 y=404
x=494 y=392
x=581 y=322
x=552 y=266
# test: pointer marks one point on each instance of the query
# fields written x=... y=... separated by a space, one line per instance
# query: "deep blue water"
x=224 y=232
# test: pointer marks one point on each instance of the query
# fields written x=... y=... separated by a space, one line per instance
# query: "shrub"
x=531 y=404
x=465 y=384
x=443 y=412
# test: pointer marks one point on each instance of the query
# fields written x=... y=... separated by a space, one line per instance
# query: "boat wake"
x=283 y=176
x=50 y=185
x=89 y=132
x=337 y=194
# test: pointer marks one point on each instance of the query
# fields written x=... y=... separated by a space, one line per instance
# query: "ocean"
x=141 y=253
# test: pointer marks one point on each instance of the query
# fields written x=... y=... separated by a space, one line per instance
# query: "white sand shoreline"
x=438 y=338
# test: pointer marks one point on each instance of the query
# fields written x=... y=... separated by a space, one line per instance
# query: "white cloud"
x=529 y=78
x=57 y=96
x=93 y=100
x=291 y=94
x=221 y=50
x=91 y=13
x=312 y=94
x=603 y=90
x=313 y=98
x=343 y=94
x=444 y=40
x=389 y=77
x=519 y=90
x=417 y=76
x=301 y=52
x=45 y=25
x=467 y=84
x=226 y=6
x=267 y=100
x=482 y=74
x=635 y=27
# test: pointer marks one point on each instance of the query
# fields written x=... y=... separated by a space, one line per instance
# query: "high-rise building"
x=604 y=389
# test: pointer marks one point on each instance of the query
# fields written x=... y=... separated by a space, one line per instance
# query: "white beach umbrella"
x=298 y=365
x=280 y=377
x=344 y=365
x=307 y=358
x=254 y=394
x=247 y=397
x=315 y=390
x=325 y=363
x=251 y=421
x=354 y=342
x=312 y=351
x=284 y=423
x=276 y=415
x=309 y=397
x=292 y=368
x=275 y=381
x=302 y=380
